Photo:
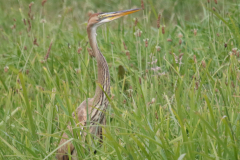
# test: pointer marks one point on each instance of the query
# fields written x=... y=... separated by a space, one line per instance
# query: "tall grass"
x=175 y=87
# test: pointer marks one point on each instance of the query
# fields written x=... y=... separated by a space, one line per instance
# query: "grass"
x=186 y=109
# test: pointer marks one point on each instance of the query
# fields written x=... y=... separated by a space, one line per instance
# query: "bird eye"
x=100 y=16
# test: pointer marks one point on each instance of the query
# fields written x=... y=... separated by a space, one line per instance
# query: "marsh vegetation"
x=174 y=70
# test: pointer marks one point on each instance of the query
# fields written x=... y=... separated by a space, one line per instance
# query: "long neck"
x=103 y=82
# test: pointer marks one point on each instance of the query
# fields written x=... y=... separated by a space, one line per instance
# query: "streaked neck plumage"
x=103 y=82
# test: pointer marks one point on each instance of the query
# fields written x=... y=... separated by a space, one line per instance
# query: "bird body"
x=97 y=105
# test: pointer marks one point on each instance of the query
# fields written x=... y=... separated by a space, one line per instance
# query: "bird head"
x=97 y=19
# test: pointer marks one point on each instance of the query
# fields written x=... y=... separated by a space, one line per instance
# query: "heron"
x=95 y=107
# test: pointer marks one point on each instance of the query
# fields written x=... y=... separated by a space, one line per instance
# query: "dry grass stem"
x=48 y=52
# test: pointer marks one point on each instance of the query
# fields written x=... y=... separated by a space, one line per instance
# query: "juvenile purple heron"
x=98 y=104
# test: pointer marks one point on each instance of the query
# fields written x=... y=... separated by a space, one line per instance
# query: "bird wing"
x=81 y=113
x=62 y=151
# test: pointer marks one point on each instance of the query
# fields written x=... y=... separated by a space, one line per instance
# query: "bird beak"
x=106 y=17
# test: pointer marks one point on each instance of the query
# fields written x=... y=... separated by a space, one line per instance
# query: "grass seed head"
x=180 y=55
x=90 y=52
x=42 y=61
x=18 y=81
x=195 y=58
x=180 y=35
x=30 y=5
x=153 y=100
x=24 y=21
x=146 y=42
x=234 y=50
x=156 y=115
x=112 y=97
x=204 y=64
x=195 y=32
x=29 y=26
x=197 y=85
x=158 y=68
x=6 y=69
x=158 y=21
x=30 y=10
x=54 y=90
x=124 y=44
x=79 y=50
x=77 y=70
x=142 y=4
x=138 y=33
x=216 y=2
x=180 y=41
x=35 y=42
x=225 y=45
x=43 y=2
x=154 y=61
x=163 y=29
x=13 y=26
x=128 y=54
x=162 y=74
x=226 y=83
x=48 y=52
x=158 y=48
x=27 y=71
x=136 y=22
x=43 y=21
